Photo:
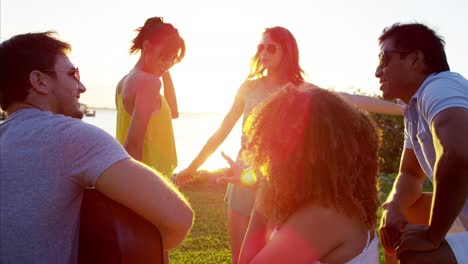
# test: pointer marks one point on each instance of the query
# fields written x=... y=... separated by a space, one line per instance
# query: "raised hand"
x=233 y=174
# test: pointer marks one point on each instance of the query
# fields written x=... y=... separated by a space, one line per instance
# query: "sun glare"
x=248 y=177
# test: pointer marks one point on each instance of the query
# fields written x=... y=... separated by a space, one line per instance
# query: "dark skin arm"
x=443 y=255
x=406 y=192
x=449 y=129
x=451 y=171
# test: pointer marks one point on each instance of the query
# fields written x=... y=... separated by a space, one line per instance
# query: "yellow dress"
x=159 y=150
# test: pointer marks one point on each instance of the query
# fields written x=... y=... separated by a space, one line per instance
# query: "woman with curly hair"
x=316 y=161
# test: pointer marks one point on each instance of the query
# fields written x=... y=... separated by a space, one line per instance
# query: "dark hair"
x=416 y=36
x=313 y=148
x=22 y=54
x=159 y=33
x=290 y=60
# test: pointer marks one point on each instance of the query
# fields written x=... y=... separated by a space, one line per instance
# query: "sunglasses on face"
x=384 y=56
x=75 y=72
x=268 y=47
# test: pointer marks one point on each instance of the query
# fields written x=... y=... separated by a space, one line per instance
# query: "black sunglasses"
x=384 y=56
x=75 y=72
x=268 y=47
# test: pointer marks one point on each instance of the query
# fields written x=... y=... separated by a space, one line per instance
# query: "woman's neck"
x=142 y=67
x=276 y=78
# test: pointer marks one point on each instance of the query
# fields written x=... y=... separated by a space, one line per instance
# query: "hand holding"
x=415 y=238
x=183 y=177
x=391 y=225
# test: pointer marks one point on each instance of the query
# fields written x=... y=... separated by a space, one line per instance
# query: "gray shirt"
x=438 y=92
x=46 y=161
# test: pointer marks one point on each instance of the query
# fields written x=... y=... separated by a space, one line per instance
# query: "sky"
x=337 y=39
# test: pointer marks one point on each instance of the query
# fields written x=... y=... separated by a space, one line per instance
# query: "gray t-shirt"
x=46 y=161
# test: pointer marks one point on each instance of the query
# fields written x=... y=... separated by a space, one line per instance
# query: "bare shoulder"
x=142 y=82
x=318 y=213
x=335 y=236
x=120 y=85
x=320 y=225
x=308 y=85
x=247 y=86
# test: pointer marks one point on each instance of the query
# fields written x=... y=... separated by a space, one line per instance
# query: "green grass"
x=208 y=241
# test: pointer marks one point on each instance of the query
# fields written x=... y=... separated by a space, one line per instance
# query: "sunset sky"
x=337 y=39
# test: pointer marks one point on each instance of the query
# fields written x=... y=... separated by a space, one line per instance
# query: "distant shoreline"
x=184 y=113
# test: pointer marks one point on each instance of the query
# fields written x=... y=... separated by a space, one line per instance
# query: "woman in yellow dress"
x=144 y=115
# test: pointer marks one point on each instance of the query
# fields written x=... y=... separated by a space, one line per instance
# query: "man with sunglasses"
x=419 y=227
x=48 y=156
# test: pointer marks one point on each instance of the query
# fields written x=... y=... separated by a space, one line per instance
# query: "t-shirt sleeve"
x=440 y=95
x=93 y=149
x=407 y=142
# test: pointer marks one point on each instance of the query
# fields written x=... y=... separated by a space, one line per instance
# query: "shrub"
x=391 y=145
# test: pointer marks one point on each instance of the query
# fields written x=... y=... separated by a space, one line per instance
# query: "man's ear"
x=417 y=59
x=39 y=82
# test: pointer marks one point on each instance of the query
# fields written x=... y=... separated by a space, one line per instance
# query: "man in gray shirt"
x=413 y=67
x=48 y=156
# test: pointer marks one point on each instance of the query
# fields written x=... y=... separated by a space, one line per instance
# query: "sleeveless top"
x=159 y=150
x=369 y=254
x=257 y=95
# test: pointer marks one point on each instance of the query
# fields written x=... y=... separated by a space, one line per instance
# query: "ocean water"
x=191 y=131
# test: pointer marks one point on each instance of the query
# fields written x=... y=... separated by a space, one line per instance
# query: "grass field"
x=208 y=242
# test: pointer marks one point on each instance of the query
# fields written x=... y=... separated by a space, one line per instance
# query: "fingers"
x=400 y=248
x=391 y=227
x=234 y=169
x=389 y=237
x=386 y=242
x=385 y=237
x=231 y=162
x=181 y=178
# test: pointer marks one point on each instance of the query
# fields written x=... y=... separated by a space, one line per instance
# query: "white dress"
x=370 y=253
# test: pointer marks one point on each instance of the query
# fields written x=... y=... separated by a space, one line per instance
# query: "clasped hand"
x=414 y=238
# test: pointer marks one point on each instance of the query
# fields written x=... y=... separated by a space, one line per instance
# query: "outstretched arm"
x=373 y=105
x=169 y=94
x=216 y=139
x=139 y=188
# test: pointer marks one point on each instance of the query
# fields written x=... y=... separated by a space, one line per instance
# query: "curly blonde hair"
x=313 y=148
